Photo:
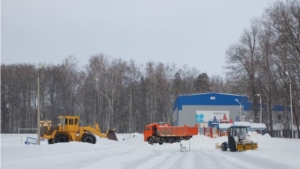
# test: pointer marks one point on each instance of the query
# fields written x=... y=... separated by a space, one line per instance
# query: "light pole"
x=291 y=100
x=260 y=113
x=240 y=108
x=38 y=100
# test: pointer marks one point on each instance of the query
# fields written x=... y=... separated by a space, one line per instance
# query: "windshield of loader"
x=241 y=132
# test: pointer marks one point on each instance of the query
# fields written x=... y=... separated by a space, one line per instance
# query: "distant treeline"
x=124 y=95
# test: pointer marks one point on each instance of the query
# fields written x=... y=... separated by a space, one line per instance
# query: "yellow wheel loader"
x=69 y=130
x=238 y=140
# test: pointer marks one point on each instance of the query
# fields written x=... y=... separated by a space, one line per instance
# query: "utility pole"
x=38 y=106
x=260 y=113
x=240 y=108
x=291 y=100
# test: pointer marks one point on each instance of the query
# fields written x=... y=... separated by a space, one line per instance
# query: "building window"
x=212 y=98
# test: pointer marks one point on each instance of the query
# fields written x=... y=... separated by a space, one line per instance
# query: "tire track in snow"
x=206 y=161
x=222 y=162
x=188 y=160
x=76 y=159
x=154 y=161
x=117 y=161
x=242 y=160
x=172 y=162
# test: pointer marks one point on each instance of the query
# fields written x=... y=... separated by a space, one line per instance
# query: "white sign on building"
x=205 y=116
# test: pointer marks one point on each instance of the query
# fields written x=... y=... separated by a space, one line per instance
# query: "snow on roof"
x=229 y=94
x=242 y=123
x=258 y=125
x=224 y=125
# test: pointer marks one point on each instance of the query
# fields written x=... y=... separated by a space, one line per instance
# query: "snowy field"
x=134 y=153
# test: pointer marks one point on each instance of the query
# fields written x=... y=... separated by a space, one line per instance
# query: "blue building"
x=202 y=108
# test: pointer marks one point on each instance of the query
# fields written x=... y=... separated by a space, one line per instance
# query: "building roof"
x=219 y=99
x=224 y=126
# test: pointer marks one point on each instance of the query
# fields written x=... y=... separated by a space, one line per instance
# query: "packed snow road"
x=133 y=153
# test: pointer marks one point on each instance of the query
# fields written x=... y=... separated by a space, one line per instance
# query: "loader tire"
x=61 y=138
x=232 y=146
x=50 y=141
x=89 y=138
x=224 y=147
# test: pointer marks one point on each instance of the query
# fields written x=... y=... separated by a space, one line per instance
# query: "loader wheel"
x=89 y=138
x=150 y=141
x=224 y=147
x=232 y=145
x=171 y=140
x=61 y=138
x=50 y=141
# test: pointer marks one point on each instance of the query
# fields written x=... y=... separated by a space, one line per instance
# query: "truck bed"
x=178 y=131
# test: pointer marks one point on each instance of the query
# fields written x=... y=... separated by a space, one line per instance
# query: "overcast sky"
x=192 y=32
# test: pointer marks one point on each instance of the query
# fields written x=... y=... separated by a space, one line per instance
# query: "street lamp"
x=291 y=100
x=38 y=98
x=260 y=114
x=240 y=107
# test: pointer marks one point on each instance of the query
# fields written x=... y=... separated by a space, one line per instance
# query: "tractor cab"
x=239 y=133
x=69 y=123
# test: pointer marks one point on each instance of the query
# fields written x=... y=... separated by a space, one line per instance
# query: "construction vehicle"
x=69 y=130
x=238 y=140
x=162 y=132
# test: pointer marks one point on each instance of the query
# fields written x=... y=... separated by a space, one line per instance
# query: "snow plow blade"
x=246 y=146
x=111 y=135
x=218 y=146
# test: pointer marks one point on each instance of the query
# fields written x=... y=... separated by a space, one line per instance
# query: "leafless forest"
x=126 y=96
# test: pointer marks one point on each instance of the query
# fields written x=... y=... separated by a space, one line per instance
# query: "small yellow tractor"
x=69 y=130
x=238 y=140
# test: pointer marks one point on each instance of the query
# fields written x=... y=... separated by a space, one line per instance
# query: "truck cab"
x=151 y=129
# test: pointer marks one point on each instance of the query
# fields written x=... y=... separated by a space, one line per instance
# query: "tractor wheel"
x=232 y=145
x=50 y=141
x=61 y=138
x=224 y=147
x=89 y=138
x=150 y=141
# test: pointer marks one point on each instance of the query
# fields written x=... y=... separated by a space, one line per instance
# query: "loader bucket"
x=247 y=146
x=255 y=146
x=43 y=130
x=112 y=135
x=240 y=147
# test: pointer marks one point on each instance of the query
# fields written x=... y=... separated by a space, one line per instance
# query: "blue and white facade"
x=201 y=108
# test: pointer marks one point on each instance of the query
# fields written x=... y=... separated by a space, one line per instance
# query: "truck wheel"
x=50 y=141
x=171 y=140
x=89 y=138
x=150 y=141
x=223 y=147
x=60 y=138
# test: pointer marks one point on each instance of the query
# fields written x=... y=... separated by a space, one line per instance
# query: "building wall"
x=188 y=113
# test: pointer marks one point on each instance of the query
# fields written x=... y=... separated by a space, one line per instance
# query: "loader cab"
x=238 y=131
x=69 y=123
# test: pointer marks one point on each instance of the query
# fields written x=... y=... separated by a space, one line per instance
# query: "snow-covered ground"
x=134 y=153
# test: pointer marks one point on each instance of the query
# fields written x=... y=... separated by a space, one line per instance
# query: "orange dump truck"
x=164 y=133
